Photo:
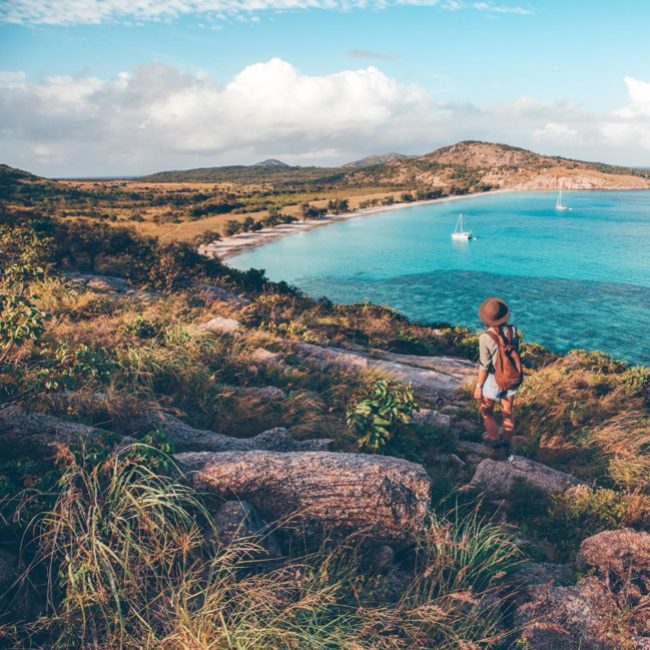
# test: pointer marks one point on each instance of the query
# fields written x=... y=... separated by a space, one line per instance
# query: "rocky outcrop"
x=431 y=419
x=497 y=478
x=606 y=610
x=216 y=292
x=321 y=494
x=432 y=377
x=100 y=283
x=37 y=434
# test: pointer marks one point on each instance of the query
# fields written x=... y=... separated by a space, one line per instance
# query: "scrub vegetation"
x=115 y=543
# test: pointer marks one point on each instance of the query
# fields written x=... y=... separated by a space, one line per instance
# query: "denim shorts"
x=492 y=391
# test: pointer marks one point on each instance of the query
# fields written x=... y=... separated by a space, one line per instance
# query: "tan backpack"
x=508 y=371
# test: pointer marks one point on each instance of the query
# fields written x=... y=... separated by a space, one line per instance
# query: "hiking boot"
x=497 y=451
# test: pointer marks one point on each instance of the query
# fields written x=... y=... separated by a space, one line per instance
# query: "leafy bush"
x=73 y=368
x=20 y=322
x=567 y=519
x=637 y=381
x=376 y=418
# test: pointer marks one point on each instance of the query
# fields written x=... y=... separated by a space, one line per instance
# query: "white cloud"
x=157 y=116
x=639 y=93
x=502 y=9
x=70 y=12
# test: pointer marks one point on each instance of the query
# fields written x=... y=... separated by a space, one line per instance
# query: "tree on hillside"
x=312 y=212
x=232 y=227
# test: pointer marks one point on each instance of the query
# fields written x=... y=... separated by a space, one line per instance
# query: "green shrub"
x=21 y=321
x=565 y=520
x=636 y=381
x=75 y=367
x=377 y=417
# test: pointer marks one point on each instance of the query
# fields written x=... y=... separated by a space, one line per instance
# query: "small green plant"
x=143 y=328
x=375 y=419
x=72 y=368
x=20 y=321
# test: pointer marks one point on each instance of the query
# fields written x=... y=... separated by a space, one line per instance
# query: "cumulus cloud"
x=70 y=12
x=158 y=116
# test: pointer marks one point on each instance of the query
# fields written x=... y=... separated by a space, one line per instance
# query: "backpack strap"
x=502 y=339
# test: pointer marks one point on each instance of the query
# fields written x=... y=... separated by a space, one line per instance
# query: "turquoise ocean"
x=575 y=279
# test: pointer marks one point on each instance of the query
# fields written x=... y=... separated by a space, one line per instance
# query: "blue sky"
x=110 y=86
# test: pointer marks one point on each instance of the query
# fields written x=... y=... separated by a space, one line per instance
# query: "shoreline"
x=228 y=247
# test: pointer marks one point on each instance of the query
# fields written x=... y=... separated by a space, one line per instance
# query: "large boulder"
x=607 y=610
x=497 y=478
x=321 y=494
x=623 y=554
x=568 y=618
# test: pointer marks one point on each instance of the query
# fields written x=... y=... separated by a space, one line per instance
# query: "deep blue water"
x=577 y=279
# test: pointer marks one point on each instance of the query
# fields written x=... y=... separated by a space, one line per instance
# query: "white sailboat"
x=559 y=206
x=460 y=233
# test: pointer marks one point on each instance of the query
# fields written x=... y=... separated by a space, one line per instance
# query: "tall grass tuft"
x=118 y=538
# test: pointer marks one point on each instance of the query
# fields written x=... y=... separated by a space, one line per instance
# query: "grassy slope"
x=146 y=348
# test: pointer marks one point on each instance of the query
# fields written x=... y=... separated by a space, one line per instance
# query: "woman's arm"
x=482 y=376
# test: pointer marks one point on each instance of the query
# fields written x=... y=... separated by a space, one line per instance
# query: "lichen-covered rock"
x=607 y=610
x=496 y=478
x=623 y=553
x=317 y=494
x=568 y=618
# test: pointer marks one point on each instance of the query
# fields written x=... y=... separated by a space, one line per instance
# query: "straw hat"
x=493 y=312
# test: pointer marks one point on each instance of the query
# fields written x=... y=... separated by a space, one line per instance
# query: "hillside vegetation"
x=133 y=373
x=208 y=202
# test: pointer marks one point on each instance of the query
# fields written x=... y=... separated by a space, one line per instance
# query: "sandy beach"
x=237 y=244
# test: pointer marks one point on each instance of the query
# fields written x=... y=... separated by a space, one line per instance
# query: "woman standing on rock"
x=500 y=375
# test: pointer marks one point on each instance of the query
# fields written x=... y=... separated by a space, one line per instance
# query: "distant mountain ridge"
x=469 y=165
x=370 y=161
x=271 y=162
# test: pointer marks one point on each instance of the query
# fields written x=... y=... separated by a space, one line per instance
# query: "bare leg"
x=506 y=405
x=489 y=423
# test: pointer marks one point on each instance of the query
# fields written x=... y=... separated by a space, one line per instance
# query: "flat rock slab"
x=317 y=494
x=221 y=325
x=431 y=377
x=497 y=477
